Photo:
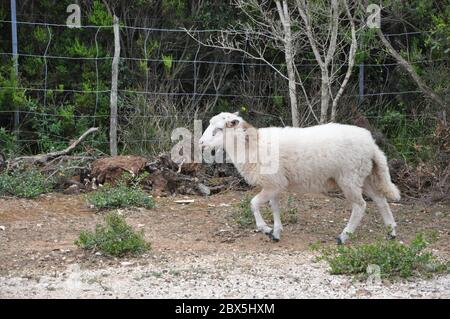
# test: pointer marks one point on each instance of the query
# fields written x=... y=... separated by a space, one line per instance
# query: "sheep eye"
x=217 y=129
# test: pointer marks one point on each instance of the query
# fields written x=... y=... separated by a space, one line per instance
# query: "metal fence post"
x=361 y=83
x=15 y=60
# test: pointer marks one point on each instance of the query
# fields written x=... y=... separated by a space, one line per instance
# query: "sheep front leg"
x=277 y=226
x=262 y=198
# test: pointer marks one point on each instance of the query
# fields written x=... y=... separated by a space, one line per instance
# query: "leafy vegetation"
x=25 y=183
x=77 y=89
x=115 y=238
x=395 y=259
x=411 y=138
x=120 y=195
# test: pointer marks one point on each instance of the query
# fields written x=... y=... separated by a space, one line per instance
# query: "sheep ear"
x=232 y=123
x=236 y=113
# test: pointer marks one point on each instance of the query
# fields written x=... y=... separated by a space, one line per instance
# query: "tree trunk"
x=351 y=63
x=289 y=56
x=292 y=90
x=323 y=63
x=324 y=97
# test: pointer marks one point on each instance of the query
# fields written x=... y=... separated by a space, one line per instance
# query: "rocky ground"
x=217 y=275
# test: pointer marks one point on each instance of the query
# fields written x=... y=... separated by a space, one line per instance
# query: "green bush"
x=116 y=238
x=394 y=259
x=120 y=195
x=411 y=137
x=25 y=183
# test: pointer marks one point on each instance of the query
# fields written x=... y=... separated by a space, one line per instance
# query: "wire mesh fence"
x=165 y=82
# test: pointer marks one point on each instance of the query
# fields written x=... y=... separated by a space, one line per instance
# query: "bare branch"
x=408 y=67
x=43 y=158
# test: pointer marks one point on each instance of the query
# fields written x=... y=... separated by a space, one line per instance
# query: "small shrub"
x=116 y=238
x=244 y=217
x=120 y=195
x=25 y=183
x=394 y=258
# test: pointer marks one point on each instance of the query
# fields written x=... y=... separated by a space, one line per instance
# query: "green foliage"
x=65 y=115
x=99 y=14
x=278 y=100
x=439 y=38
x=10 y=94
x=410 y=136
x=223 y=106
x=244 y=215
x=80 y=49
x=31 y=66
x=167 y=61
x=116 y=238
x=209 y=17
x=41 y=34
x=25 y=183
x=394 y=258
x=7 y=141
x=175 y=6
x=121 y=195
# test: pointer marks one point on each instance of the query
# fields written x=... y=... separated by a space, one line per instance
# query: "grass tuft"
x=393 y=258
x=120 y=196
x=116 y=238
x=27 y=183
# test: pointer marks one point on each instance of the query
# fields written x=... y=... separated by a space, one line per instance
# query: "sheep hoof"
x=269 y=233
x=274 y=239
x=391 y=237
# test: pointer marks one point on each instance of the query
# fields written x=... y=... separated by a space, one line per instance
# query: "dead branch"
x=44 y=158
x=408 y=67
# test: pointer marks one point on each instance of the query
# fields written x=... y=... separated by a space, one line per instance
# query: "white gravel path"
x=220 y=275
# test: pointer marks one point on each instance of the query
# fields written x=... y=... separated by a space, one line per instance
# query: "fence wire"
x=210 y=90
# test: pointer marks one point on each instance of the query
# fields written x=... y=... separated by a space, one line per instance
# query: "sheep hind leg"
x=263 y=197
x=354 y=195
x=383 y=207
x=277 y=226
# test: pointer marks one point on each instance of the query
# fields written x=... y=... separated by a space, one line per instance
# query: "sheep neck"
x=247 y=136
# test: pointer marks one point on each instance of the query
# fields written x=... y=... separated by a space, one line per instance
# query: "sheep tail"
x=381 y=177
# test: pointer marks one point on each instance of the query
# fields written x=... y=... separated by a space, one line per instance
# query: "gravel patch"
x=218 y=275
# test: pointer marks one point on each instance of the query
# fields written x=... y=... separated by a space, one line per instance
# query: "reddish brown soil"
x=39 y=234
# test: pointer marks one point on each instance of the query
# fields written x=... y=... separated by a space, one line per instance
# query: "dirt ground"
x=198 y=250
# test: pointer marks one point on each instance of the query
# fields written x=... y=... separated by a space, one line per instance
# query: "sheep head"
x=214 y=134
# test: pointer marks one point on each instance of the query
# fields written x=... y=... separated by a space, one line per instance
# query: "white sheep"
x=306 y=160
